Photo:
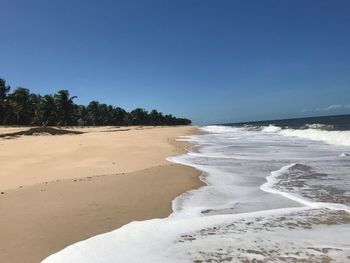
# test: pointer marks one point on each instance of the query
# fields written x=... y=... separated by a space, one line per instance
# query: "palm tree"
x=4 y=90
x=23 y=108
x=46 y=113
x=155 y=117
x=20 y=104
x=102 y=114
x=93 y=113
x=82 y=115
x=139 y=116
x=65 y=108
x=120 y=116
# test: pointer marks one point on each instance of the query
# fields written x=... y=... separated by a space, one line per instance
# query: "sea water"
x=274 y=193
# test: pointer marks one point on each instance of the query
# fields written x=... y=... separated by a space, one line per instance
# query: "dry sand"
x=100 y=151
x=62 y=189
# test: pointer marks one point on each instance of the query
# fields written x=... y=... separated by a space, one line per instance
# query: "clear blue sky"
x=211 y=61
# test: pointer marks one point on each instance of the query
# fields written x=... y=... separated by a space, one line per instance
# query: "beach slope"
x=58 y=190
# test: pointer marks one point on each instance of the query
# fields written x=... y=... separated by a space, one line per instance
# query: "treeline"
x=21 y=107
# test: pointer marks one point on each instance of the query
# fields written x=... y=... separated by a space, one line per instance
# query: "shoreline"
x=250 y=216
x=41 y=219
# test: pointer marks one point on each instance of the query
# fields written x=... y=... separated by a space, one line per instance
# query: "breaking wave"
x=331 y=137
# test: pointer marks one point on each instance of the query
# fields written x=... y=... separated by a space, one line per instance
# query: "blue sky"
x=211 y=61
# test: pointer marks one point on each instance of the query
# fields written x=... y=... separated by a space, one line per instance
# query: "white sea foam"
x=312 y=133
x=331 y=137
x=271 y=128
x=220 y=129
x=185 y=240
x=272 y=181
x=319 y=126
x=231 y=218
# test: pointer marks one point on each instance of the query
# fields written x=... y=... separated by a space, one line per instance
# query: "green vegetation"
x=21 y=107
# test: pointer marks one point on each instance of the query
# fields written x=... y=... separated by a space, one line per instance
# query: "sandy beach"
x=57 y=190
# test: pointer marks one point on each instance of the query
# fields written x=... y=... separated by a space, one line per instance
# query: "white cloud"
x=328 y=108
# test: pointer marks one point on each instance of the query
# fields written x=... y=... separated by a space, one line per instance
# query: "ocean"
x=276 y=191
x=336 y=122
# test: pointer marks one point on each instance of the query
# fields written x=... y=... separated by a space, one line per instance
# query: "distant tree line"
x=21 y=107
